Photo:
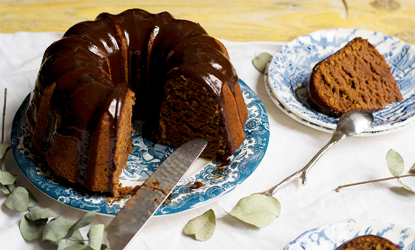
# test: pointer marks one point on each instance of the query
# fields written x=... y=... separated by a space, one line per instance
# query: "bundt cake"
x=368 y=242
x=135 y=65
x=355 y=77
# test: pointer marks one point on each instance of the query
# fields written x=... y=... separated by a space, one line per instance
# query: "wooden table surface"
x=235 y=20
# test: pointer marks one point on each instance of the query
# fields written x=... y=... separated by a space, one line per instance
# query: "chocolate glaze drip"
x=96 y=62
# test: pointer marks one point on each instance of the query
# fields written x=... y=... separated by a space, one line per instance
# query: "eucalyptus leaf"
x=95 y=234
x=257 y=209
x=18 y=200
x=4 y=189
x=40 y=213
x=55 y=230
x=84 y=221
x=260 y=62
x=405 y=186
x=78 y=247
x=4 y=147
x=202 y=227
x=76 y=239
x=12 y=187
x=32 y=230
x=7 y=178
x=412 y=169
x=32 y=200
x=104 y=247
x=395 y=163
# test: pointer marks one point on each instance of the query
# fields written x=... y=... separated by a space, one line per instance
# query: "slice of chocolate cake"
x=355 y=77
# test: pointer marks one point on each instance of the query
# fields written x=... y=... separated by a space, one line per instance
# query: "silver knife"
x=151 y=195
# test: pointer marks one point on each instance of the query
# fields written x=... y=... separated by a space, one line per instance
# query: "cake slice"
x=355 y=77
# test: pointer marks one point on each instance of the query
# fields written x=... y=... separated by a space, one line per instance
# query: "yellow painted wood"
x=237 y=20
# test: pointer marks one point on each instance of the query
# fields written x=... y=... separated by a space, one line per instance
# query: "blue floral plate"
x=331 y=236
x=205 y=182
x=317 y=126
x=291 y=67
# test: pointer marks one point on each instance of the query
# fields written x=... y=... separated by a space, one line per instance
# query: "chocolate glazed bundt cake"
x=355 y=77
x=135 y=65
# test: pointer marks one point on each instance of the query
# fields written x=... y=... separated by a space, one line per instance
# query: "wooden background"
x=236 y=20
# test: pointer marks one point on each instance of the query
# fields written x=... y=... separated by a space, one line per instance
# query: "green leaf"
x=202 y=227
x=78 y=247
x=76 y=239
x=405 y=186
x=395 y=163
x=40 y=213
x=95 y=235
x=18 y=200
x=84 y=221
x=32 y=230
x=257 y=209
x=4 y=147
x=32 y=200
x=260 y=62
x=55 y=230
x=4 y=189
x=7 y=178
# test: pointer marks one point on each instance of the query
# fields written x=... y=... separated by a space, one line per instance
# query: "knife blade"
x=151 y=195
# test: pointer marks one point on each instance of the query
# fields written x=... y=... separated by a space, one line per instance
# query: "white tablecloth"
x=291 y=146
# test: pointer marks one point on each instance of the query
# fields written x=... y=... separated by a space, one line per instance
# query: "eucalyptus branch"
x=371 y=181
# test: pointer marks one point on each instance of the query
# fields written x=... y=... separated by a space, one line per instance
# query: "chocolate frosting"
x=95 y=63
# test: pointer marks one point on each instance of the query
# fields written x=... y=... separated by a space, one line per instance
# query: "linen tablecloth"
x=291 y=146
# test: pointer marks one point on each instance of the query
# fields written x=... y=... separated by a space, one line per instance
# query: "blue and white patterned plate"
x=331 y=236
x=205 y=182
x=291 y=68
x=317 y=126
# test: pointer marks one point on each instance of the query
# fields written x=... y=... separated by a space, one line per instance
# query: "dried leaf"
x=18 y=200
x=6 y=189
x=405 y=186
x=412 y=169
x=257 y=209
x=76 y=239
x=4 y=147
x=260 y=62
x=395 y=163
x=55 y=230
x=95 y=234
x=40 y=213
x=84 y=221
x=7 y=178
x=202 y=227
x=32 y=200
x=32 y=230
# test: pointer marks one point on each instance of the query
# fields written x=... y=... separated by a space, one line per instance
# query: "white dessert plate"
x=291 y=67
x=317 y=126
x=205 y=182
x=331 y=236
